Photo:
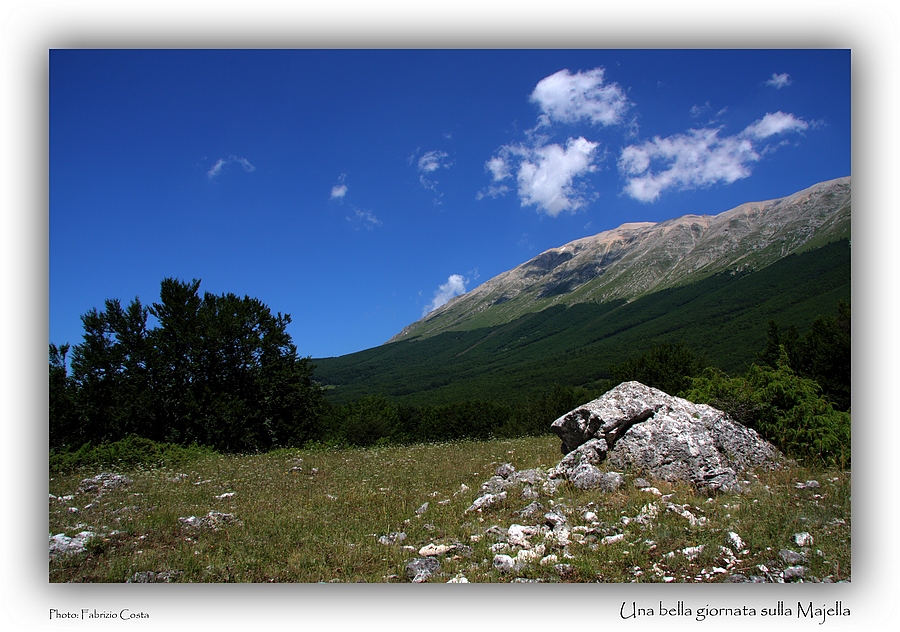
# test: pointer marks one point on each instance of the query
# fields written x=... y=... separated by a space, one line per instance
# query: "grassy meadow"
x=317 y=516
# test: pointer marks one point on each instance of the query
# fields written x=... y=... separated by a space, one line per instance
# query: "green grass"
x=293 y=525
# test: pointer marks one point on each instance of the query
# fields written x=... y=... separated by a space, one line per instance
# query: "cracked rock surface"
x=643 y=429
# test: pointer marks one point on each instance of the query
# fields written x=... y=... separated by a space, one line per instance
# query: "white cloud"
x=779 y=81
x=338 y=191
x=499 y=168
x=569 y=98
x=777 y=123
x=698 y=158
x=454 y=286
x=546 y=174
x=221 y=163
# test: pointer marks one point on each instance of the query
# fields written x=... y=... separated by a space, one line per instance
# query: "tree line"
x=215 y=370
x=221 y=372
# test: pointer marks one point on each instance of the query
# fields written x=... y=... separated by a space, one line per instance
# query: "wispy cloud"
x=455 y=285
x=433 y=160
x=221 y=163
x=699 y=158
x=427 y=164
x=339 y=190
x=363 y=218
x=777 y=123
x=779 y=81
x=566 y=97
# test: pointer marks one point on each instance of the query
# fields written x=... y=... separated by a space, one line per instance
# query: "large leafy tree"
x=220 y=371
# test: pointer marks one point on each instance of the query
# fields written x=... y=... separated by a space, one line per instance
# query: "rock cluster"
x=643 y=429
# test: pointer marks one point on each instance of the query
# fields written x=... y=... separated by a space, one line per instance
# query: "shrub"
x=785 y=408
x=130 y=452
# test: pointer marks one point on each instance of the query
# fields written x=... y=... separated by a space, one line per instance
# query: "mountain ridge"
x=638 y=258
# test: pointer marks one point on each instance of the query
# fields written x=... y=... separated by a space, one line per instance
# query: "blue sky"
x=357 y=189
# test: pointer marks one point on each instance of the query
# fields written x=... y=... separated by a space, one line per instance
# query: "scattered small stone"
x=504 y=563
x=485 y=501
x=103 y=481
x=61 y=544
x=735 y=540
x=421 y=510
x=554 y=518
x=531 y=510
x=693 y=552
x=224 y=496
x=793 y=572
x=152 y=577
x=422 y=568
x=791 y=557
x=458 y=579
x=214 y=520
x=530 y=477
x=431 y=550
x=395 y=537
x=803 y=539
x=682 y=511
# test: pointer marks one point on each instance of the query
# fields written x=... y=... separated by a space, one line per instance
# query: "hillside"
x=713 y=282
x=638 y=259
x=724 y=317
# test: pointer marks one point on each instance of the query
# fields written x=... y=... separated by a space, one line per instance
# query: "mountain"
x=637 y=259
x=713 y=282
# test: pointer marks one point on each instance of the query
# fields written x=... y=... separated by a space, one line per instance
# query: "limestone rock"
x=61 y=544
x=504 y=563
x=665 y=437
x=421 y=569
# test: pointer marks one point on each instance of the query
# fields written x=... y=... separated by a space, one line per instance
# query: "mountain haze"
x=640 y=258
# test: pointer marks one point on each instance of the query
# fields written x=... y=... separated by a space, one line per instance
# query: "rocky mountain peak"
x=637 y=258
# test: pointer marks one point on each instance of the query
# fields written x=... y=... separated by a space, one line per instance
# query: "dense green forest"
x=725 y=318
x=221 y=372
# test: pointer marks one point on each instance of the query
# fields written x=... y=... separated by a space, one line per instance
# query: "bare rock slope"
x=643 y=257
